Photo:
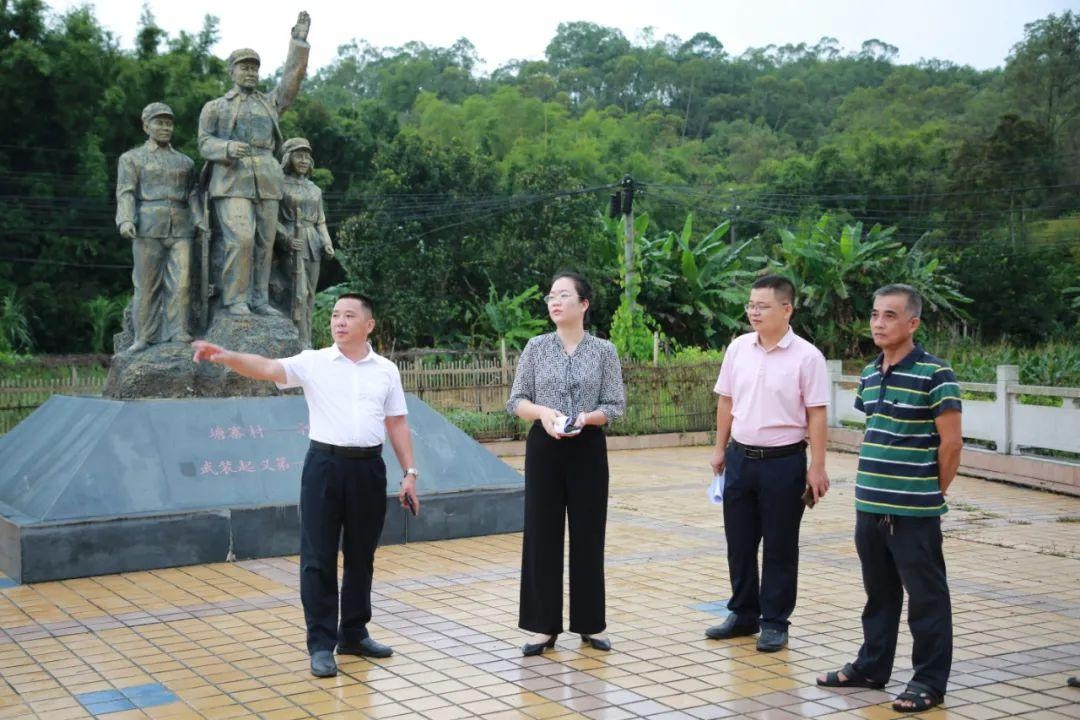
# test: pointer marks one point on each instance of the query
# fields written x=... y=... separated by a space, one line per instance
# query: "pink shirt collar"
x=785 y=341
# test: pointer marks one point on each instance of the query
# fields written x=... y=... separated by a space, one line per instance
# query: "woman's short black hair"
x=581 y=285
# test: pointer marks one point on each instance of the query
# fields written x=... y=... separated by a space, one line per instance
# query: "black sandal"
x=1073 y=682
x=921 y=700
x=832 y=679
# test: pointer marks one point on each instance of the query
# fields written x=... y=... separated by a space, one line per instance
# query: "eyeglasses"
x=561 y=297
x=759 y=307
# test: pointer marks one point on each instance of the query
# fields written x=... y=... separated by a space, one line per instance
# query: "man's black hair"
x=784 y=288
x=913 y=301
x=364 y=300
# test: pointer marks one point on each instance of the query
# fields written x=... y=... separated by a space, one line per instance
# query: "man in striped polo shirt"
x=909 y=456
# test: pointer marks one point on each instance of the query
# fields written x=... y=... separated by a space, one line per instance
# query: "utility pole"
x=1012 y=216
x=628 y=244
x=622 y=203
x=731 y=223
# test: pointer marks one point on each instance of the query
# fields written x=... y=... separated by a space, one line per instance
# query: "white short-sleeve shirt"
x=348 y=401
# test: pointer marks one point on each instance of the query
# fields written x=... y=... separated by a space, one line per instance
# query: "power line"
x=41 y=261
x=452 y=211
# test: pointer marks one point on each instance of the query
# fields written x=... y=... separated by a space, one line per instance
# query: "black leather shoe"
x=322 y=664
x=597 y=643
x=730 y=628
x=772 y=640
x=538 y=648
x=366 y=648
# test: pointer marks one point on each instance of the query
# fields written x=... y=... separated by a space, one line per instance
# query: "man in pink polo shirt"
x=773 y=391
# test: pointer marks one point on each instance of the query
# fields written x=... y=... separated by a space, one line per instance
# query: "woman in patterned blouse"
x=568 y=383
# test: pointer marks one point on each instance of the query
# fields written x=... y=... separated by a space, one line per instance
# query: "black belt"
x=755 y=452
x=351 y=451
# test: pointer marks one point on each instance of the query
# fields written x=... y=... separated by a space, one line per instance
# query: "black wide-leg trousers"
x=565 y=478
x=342 y=500
x=901 y=553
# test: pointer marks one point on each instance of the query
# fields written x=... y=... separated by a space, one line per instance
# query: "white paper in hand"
x=716 y=490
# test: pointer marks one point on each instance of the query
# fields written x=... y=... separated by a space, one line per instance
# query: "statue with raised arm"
x=240 y=138
x=156 y=208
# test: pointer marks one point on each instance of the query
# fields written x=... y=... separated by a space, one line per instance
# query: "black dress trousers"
x=763 y=507
x=565 y=478
x=342 y=501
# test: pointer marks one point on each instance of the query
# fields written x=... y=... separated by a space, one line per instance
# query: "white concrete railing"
x=1004 y=421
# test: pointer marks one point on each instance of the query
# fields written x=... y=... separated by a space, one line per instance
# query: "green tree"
x=104 y=315
x=442 y=177
x=696 y=286
x=508 y=317
x=413 y=249
x=836 y=268
x=15 y=332
x=1043 y=73
x=999 y=176
x=1019 y=291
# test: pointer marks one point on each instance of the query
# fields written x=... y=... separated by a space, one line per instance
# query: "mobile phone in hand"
x=411 y=504
x=569 y=428
x=808 y=497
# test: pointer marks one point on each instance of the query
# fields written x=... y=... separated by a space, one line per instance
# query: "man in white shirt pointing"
x=355 y=399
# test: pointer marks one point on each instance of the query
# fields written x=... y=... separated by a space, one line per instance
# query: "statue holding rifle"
x=302 y=231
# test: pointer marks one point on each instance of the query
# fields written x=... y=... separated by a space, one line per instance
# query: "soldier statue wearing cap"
x=302 y=230
x=156 y=199
x=239 y=137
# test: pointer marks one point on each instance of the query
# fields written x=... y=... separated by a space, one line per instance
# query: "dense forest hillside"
x=451 y=191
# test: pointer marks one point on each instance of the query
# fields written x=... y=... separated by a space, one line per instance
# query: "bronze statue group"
x=253 y=208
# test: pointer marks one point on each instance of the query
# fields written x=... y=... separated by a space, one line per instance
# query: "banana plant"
x=104 y=314
x=836 y=268
x=508 y=316
x=710 y=281
x=15 y=332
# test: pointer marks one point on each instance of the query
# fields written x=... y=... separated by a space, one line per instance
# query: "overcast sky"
x=972 y=32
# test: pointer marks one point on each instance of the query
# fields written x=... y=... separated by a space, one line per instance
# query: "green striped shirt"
x=898 y=468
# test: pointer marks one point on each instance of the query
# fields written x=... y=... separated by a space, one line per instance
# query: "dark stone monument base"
x=165 y=370
x=274 y=337
x=91 y=486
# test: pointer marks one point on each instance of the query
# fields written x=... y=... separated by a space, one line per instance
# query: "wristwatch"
x=412 y=471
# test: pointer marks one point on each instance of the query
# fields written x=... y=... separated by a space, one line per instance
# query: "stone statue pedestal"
x=90 y=486
x=165 y=370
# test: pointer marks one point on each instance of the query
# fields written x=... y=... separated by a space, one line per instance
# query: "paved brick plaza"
x=227 y=641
